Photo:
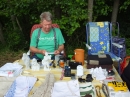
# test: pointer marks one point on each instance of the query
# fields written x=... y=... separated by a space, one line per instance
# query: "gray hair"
x=46 y=16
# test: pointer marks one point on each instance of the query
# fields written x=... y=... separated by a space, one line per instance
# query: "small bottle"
x=67 y=61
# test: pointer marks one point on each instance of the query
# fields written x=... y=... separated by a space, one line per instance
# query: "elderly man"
x=50 y=39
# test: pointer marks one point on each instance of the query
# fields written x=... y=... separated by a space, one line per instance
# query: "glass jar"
x=61 y=63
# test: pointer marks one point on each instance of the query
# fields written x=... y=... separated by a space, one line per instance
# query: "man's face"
x=46 y=25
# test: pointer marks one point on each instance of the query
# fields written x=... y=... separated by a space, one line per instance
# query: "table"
x=57 y=73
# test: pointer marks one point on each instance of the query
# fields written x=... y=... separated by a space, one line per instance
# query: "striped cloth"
x=86 y=88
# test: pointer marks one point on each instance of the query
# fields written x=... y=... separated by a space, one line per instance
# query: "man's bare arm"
x=61 y=48
x=35 y=50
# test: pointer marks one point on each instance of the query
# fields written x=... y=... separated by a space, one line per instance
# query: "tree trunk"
x=114 y=13
x=1 y=35
x=18 y=24
x=90 y=10
x=57 y=12
x=115 y=10
x=13 y=19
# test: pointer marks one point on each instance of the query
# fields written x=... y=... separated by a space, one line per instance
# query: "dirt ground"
x=7 y=57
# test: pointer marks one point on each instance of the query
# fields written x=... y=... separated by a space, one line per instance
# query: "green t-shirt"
x=46 y=40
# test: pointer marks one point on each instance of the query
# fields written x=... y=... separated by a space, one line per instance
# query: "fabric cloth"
x=46 y=41
x=66 y=89
x=86 y=88
x=45 y=89
x=98 y=73
x=120 y=41
x=15 y=68
x=5 y=83
x=99 y=36
x=21 y=87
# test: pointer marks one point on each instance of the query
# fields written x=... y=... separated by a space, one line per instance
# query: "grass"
x=9 y=56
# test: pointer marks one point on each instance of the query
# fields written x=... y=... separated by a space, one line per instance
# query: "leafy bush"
x=14 y=39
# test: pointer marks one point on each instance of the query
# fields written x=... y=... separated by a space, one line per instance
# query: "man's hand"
x=57 y=52
x=43 y=52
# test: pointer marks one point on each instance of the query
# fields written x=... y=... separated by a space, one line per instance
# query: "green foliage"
x=75 y=14
x=5 y=50
x=101 y=8
x=128 y=46
x=72 y=18
x=75 y=41
x=72 y=15
x=14 y=39
x=125 y=5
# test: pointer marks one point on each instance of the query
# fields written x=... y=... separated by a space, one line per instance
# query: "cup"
x=79 y=55
x=57 y=58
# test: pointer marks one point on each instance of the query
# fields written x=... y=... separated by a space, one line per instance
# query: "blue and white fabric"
x=21 y=87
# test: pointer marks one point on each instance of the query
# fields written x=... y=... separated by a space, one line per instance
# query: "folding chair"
x=40 y=26
x=117 y=39
x=99 y=40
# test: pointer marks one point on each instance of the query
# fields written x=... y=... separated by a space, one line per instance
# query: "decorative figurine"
x=46 y=62
x=26 y=61
x=79 y=70
x=34 y=65
x=24 y=57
